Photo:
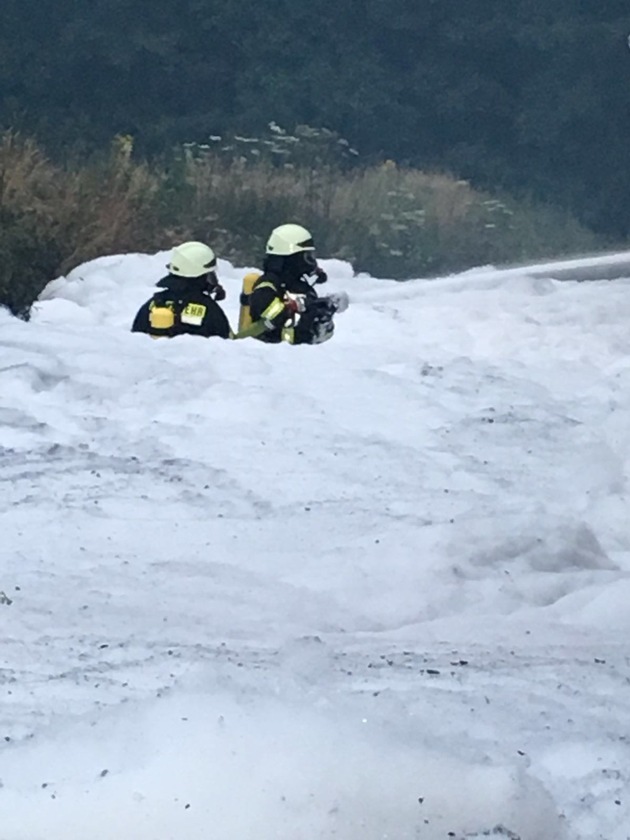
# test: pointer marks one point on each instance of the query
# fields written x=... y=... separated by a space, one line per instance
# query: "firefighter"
x=186 y=300
x=282 y=303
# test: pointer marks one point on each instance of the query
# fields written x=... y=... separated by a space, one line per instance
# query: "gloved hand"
x=320 y=275
x=295 y=303
x=218 y=292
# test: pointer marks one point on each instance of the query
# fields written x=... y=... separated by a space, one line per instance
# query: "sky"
x=376 y=588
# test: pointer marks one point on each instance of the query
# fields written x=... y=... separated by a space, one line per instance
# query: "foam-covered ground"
x=377 y=588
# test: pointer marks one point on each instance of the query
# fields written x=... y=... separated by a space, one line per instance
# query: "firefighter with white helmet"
x=282 y=304
x=186 y=300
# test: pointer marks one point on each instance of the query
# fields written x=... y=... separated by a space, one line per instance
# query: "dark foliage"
x=30 y=257
x=530 y=96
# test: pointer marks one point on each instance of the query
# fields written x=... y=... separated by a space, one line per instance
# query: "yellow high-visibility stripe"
x=275 y=308
x=266 y=284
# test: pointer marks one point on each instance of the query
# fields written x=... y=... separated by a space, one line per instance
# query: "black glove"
x=320 y=275
x=218 y=292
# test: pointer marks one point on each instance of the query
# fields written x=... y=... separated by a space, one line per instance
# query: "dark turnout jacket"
x=268 y=304
x=182 y=306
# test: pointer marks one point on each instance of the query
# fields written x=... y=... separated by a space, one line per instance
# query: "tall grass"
x=52 y=218
x=386 y=220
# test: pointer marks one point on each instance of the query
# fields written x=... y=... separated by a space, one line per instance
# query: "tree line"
x=527 y=96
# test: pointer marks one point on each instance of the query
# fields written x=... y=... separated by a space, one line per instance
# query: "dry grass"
x=27 y=180
x=55 y=218
x=384 y=219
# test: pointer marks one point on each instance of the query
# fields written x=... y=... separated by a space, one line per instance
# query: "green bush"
x=30 y=257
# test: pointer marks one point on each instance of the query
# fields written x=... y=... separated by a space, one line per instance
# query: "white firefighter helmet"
x=289 y=239
x=192 y=259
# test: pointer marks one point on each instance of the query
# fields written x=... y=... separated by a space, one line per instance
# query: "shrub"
x=27 y=237
x=30 y=257
x=54 y=218
x=386 y=220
